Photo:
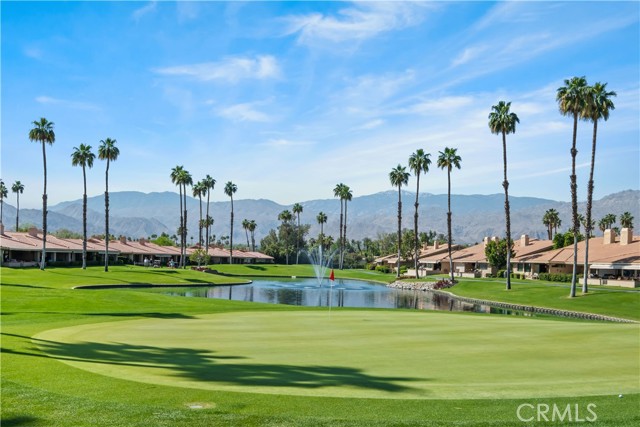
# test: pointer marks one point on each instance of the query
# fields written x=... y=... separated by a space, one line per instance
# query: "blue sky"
x=286 y=99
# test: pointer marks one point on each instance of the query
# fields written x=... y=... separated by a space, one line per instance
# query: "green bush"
x=555 y=277
x=383 y=269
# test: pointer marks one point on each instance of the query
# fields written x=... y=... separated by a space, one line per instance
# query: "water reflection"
x=344 y=293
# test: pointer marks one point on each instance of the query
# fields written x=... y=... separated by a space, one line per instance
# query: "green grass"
x=39 y=388
x=302 y=270
x=618 y=303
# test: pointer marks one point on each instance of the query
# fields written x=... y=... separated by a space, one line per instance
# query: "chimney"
x=436 y=245
x=626 y=236
x=123 y=240
x=495 y=239
x=485 y=241
x=609 y=236
x=1 y=228
x=524 y=240
x=142 y=241
x=33 y=232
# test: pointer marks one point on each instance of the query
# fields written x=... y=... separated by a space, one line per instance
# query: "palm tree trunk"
x=399 y=231
x=17 y=210
x=574 y=207
x=449 y=222
x=200 y=224
x=184 y=230
x=298 y=241
x=344 y=234
x=589 y=206
x=84 y=220
x=246 y=233
x=2 y=210
x=415 y=225
x=253 y=241
x=106 y=219
x=181 y=228
x=231 y=236
x=44 y=211
x=207 y=223
x=340 y=233
x=507 y=215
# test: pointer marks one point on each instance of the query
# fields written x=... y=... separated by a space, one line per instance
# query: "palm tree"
x=4 y=193
x=17 y=188
x=322 y=220
x=210 y=183
x=609 y=220
x=337 y=192
x=418 y=163
x=199 y=189
x=552 y=220
x=598 y=105
x=297 y=210
x=245 y=226
x=572 y=99
x=347 y=195
x=502 y=122
x=252 y=229
x=175 y=179
x=449 y=159
x=109 y=152
x=43 y=133
x=82 y=156
x=626 y=220
x=399 y=177
x=602 y=225
x=229 y=189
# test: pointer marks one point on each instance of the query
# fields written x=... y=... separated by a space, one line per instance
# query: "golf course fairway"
x=359 y=354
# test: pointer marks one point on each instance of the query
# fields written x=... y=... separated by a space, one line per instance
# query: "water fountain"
x=320 y=262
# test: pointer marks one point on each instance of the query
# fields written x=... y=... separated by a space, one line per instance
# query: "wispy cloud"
x=78 y=105
x=359 y=22
x=232 y=69
x=282 y=143
x=244 y=113
x=144 y=10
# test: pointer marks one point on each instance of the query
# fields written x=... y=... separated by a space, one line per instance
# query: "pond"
x=344 y=293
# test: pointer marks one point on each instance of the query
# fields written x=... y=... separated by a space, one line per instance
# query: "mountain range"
x=136 y=214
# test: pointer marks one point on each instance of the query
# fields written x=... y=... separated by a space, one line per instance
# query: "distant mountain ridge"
x=136 y=214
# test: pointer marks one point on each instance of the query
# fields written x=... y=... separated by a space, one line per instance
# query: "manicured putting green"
x=371 y=354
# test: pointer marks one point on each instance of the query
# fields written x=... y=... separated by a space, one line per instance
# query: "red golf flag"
x=332 y=277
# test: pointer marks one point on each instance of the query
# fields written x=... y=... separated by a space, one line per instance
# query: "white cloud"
x=230 y=69
x=468 y=54
x=144 y=10
x=281 y=142
x=371 y=124
x=362 y=21
x=244 y=113
x=78 y=105
x=439 y=106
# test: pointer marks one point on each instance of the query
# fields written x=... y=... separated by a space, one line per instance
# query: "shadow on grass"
x=18 y=421
x=204 y=366
x=25 y=286
x=257 y=267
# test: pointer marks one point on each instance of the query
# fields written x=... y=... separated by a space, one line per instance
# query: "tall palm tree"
x=229 y=189
x=175 y=179
x=347 y=195
x=245 y=226
x=602 y=224
x=210 y=184
x=626 y=220
x=399 y=177
x=185 y=179
x=43 y=132
x=418 y=163
x=322 y=220
x=598 y=106
x=4 y=193
x=502 y=122
x=572 y=99
x=337 y=192
x=297 y=210
x=199 y=189
x=82 y=156
x=252 y=229
x=449 y=159
x=109 y=152
x=17 y=188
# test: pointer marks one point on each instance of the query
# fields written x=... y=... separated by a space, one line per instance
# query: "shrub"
x=555 y=277
x=383 y=269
